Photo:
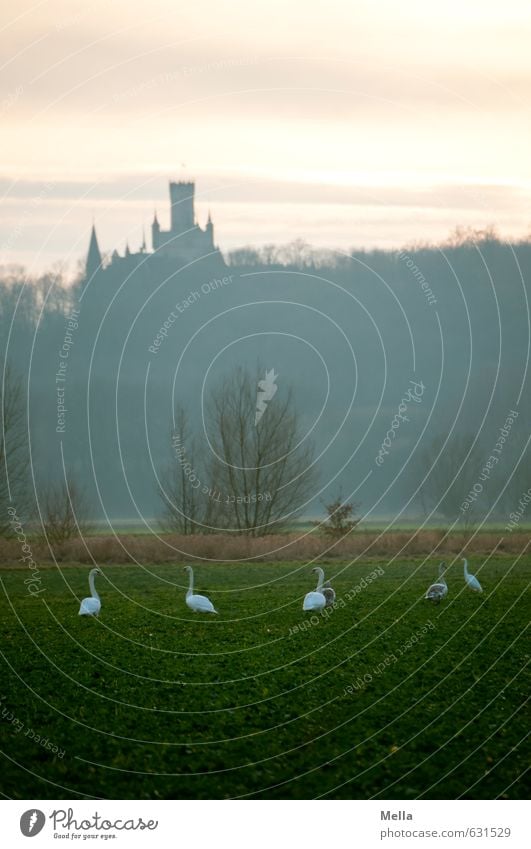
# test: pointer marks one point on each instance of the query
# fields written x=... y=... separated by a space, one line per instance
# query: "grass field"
x=388 y=696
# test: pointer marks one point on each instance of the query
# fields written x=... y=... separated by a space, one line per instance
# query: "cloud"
x=369 y=112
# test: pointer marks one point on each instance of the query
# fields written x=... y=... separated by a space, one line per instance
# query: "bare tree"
x=452 y=478
x=260 y=467
x=513 y=479
x=65 y=512
x=14 y=489
x=180 y=482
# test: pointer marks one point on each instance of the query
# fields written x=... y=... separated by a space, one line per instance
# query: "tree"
x=454 y=474
x=183 y=508
x=65 y=512
x=340 y=521
x=260 y=466
x=14 y=490
x=244 y=256
x=255 y=471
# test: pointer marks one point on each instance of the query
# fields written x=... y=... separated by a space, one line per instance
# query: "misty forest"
x=100 y=375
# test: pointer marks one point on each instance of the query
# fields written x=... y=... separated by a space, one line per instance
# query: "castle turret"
x=184 y=242
x=210 y=229
x=93 y=264
x=155 y=232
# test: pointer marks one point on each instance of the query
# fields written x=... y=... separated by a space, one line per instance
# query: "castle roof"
x=93 y=263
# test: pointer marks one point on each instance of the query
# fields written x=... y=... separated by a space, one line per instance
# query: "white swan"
x=197 y=603
x=91 y=606
x=436 y=592
x=315 y=600
x=471 y=580
x=329 y=594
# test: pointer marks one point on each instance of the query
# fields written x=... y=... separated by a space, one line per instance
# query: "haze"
x=345 y=124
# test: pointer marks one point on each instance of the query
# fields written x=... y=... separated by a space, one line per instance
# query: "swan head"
x=96 y=571
x=188 y=569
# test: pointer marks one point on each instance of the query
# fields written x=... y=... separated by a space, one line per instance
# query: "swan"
x=329 y=594
x=91 y=606
x=436 y=592
x=471 y=580
x=315 y=600
x=197 y=603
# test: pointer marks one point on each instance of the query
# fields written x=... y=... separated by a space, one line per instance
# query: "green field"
x=388 y=697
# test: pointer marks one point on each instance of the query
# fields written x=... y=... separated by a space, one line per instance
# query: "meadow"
x=386 y=696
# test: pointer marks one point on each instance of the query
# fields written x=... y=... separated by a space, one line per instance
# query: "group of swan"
x=439 y=590
x=91 y=606
x=322 y=596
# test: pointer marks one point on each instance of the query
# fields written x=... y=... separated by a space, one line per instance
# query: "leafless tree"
x=447 y=485
x=262 y=470
x=65 y=512
x=14 y=489
x=180 y=485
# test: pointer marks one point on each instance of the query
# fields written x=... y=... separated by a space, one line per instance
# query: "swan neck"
x=191 y=584
x=92 y=586
x=320 y=579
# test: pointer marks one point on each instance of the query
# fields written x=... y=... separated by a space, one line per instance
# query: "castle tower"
x=93 y=263
x=155 y=233
x=184 y=242
x=209 y=229
x=182 y=206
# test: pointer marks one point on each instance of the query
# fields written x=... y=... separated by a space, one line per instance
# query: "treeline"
x=369 y=321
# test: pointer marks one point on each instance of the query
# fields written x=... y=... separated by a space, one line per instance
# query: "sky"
x=355 y=123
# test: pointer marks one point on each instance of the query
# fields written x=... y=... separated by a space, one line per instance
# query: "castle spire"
x=210 y=230
x=93 y=263
x=155 y=232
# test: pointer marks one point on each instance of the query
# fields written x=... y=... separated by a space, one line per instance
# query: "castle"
x=184 y=242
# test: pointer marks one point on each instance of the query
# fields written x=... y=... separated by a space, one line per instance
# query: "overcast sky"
x=346 y=123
